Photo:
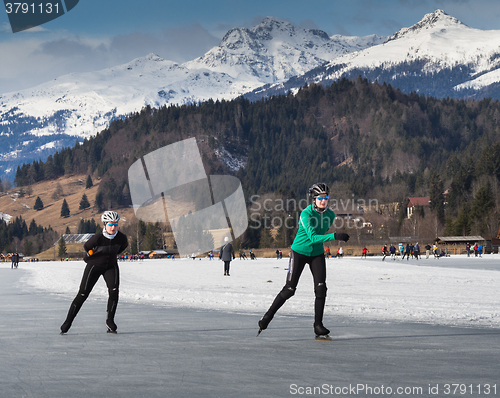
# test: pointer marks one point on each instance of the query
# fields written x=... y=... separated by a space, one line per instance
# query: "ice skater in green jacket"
x=307 y=248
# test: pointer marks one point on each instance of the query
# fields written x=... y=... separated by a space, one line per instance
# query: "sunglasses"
x=110 y=224
x=322 y=197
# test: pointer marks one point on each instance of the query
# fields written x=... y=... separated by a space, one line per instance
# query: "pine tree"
x=483 y=204
x=87 y=226
x=463 y=222
x=33 y=228
x=99 y=201
x=436 y=196
x=57 y=192
x=489 y=161
x=266 y=240
x=65 y=209
x=89 y=183
x=38 y=204
x=84 y=203
x=28 y=247
x=484 y=201
x=150 y=239
x=61 y=250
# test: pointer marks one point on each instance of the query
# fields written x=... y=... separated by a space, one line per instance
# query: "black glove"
x=341 y=236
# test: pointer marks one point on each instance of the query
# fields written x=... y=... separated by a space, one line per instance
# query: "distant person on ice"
x=102 y=249
x=226 y=254
x=15 y=260
x=307 y=248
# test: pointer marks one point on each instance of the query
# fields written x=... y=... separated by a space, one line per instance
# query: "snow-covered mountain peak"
x=437 y=56
x=439 y=41
x=435 y=20
x=270 y=29
x=272 y=51
x=272 y=23
x=152 y=57
x=438 y=18
x=238 y=38
x=148 y=62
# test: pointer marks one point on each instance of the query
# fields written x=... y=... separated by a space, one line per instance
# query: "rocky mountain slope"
x=438 y=56
x=36 y=122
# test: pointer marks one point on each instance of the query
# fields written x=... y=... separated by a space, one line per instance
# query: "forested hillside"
x=367 y=140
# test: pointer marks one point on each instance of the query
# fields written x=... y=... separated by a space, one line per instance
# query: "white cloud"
x=33 y=59
x=5 y=28
x=36 y=58
x=308 y=24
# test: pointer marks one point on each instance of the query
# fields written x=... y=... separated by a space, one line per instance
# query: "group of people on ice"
x=411 y=249
x=15 y=260
x=477 y=250
x=243 y=256
x=339 y=254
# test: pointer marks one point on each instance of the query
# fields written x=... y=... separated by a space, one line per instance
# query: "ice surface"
x=166 y=349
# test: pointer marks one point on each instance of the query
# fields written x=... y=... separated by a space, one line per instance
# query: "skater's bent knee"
x=287 y=292
x=320 y=290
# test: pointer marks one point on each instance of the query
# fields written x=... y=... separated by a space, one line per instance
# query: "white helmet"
x=110 y=216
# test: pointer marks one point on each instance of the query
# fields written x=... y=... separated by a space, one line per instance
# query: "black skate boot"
x=264 y=322
x=322 y=333
x=65 y=326
x=111 y=325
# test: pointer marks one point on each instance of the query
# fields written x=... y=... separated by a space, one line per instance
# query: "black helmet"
x=315 y=191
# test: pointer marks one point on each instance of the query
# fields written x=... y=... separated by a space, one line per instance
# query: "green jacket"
x=312 y=229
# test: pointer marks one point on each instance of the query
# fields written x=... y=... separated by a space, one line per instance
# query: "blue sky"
x=99 y=34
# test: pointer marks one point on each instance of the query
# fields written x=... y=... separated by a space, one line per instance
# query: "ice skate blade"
x=324 y=338
x=111 y=331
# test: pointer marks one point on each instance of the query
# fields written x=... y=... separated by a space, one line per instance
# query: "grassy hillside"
x=71 y=189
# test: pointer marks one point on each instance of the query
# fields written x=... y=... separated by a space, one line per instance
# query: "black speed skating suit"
x=102 y=262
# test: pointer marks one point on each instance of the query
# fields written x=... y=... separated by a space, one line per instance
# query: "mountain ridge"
x=429 y=21
x=438 y=56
